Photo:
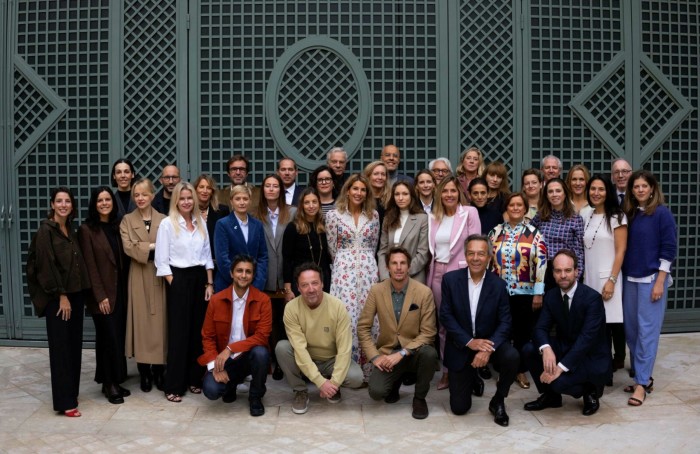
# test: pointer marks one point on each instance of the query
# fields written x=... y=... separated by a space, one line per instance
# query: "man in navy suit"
x=287 y=171
x=476 y=315
x=577 y=361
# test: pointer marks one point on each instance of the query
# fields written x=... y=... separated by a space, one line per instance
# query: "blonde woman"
x=376 y=173
x=183 y=259
x=471 y=165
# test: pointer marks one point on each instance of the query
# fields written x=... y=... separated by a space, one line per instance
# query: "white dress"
x=599 y=250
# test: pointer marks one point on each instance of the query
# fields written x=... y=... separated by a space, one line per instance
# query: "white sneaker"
x=245 y=386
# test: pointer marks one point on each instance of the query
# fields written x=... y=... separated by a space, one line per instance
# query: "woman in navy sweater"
x=646 y=269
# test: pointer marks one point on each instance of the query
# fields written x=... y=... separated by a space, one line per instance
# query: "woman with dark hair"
x=405 y=225
x=425 y=189
x=209 y=206
x=123 y=175
x=531 y=186
x=183 y=259
x=353 y=235
x=108 y=267
x=322 y=181
x=490 y=214
x=146 y=322
x=561 y=226
x=451 y=222
x=496 y=176
x=520 y=259
x=305 y=241
x=647 y=272
x=605 y=242
x=57 y=278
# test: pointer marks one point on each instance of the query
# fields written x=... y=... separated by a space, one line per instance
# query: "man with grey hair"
x=337 y=160
x=441 y=169
x=620 y=174
x=391 y=157
x=551 y=167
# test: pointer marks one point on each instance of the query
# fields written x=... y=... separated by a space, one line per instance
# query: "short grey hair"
x=447 y=162
x=551 y=156
x=336 y=150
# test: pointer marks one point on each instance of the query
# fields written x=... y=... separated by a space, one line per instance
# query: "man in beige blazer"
x=406 y=313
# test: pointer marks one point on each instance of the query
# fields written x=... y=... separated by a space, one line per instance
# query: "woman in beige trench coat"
x=146 y=316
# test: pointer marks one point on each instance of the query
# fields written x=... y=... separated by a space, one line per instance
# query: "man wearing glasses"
x=441 y=169
x=621 y=171
x=168 y=178
x=237 y=168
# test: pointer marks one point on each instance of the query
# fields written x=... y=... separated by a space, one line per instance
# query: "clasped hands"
x=219 y=373
x=551 y=370
x=484 y=348
x=386 y=363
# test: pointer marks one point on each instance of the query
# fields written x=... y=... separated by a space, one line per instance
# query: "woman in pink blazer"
x=451 y=222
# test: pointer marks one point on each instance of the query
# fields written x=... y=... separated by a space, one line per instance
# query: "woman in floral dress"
x=353 y=233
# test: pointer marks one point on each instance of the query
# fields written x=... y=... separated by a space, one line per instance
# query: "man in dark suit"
x=169 y=178
x=237 y=169
x=234 y=338
x=577 y=361
x=476 y=316
x=405 y=310
x=287 y=171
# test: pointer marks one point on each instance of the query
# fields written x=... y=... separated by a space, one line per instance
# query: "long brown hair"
x=545 y=207
x=300 y=222
x=631 y=205
x=261 y=210
x=392 y=215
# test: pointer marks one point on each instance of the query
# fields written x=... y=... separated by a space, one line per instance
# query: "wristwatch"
x=403 y=352
x=613 y=279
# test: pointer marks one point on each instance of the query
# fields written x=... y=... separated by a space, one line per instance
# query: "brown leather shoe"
x=521 y=380
x=420 y=408
x=444 y=382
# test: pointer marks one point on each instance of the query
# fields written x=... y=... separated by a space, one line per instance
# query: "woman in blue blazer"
x=236 y=234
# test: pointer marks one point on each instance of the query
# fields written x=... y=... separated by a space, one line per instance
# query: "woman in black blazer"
x=209 y=206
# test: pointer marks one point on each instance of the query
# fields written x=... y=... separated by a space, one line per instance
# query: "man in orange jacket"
x=235 y=338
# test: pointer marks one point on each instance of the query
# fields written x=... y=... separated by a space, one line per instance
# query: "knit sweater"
x=650 y=238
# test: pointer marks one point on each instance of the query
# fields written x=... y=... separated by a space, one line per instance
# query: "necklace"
x=311 y=249
x=147 y=222
x=590 y=218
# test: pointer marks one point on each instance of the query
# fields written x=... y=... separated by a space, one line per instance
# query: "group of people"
x=372 y=279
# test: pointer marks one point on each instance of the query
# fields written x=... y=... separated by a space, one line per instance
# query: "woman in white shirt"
x=183 y=259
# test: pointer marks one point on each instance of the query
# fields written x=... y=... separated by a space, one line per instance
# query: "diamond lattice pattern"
x=607 y=105
x=31 y=108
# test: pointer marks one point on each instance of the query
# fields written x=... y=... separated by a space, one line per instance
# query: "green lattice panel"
x=68 y=50
x=31 y=109
x=394 y=42
x=670 y=32
x=571 y=42
x=486 y=76
x=607 y=105
x=150 y=85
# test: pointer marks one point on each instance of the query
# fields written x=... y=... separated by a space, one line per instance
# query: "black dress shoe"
x=123 y=391
x=478 y=387
x=256 y=406
x=591 y=404
x=146 y=383
x=230 y=395
x=544 y=401
x=498 y=410
x=159 y=381
x=420 y=408
x=277 y=374
x=113 y=395
x=393 y=395
x=484 y=372
x=409 y=378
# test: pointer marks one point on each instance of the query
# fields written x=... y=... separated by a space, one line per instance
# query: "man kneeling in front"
x=320 y=342
x=234 y=338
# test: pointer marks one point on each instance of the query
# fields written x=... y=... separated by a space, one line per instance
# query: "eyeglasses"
x=170 y=178
x=619 y=173
x=441 y=171
x=324 y=180
x=236 y=169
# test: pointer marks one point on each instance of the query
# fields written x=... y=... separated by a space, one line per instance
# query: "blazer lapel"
x=408 y=299
x=410 y=225
x=388 y=308
x=105 y=247
x=460 y=220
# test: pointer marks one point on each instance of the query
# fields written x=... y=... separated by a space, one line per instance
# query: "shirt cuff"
x=665 y=265
x=210 y=366
x=542 y=347
x=563 y=367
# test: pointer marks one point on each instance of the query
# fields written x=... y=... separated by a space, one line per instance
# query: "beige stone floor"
x=667 y=422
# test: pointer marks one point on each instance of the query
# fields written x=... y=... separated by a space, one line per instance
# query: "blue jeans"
x=255 y=362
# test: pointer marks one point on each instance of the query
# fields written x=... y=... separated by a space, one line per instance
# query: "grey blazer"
x=414 y=238
x=275 y=279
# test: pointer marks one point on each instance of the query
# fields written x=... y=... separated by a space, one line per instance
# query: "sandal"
x=74 y=413
x=635 y=402
x=195 y=390
x=173 y=397
x=648 y=388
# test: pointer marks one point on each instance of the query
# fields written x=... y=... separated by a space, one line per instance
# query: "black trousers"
x=110 y=338
x=523 y=324
x=255 y=362
x=505 y=359
x=186 y=311
x=616 y=333
x=65 y=351
x=278 y=332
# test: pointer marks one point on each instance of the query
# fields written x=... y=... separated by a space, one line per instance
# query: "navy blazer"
x=297 y=192
x=230 y=242
x=493 y=320
x=581 y=339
